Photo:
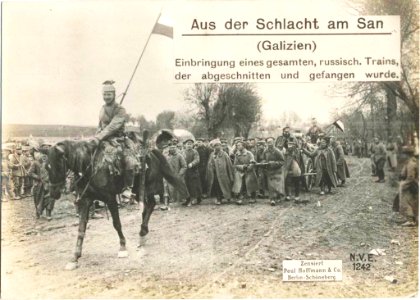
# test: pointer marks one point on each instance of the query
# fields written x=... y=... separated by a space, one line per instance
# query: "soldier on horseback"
x=112 y=119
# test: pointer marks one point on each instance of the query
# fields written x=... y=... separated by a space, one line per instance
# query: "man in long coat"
x=325 y=165
x=342 y=168
x=219 y=173
x=379 y=159
x=245 y=177
x=391 y=154
x=18 y=171
x=6 y=183
x=274 y=171
x=192 y=176
x=409 y=186
x=262 y=179
x=179 y=166
x=42 y=199
x=204 y=153
x=26 y=161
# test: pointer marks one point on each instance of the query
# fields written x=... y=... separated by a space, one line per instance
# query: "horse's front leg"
x=84 y=205
x=148 y=208
x=113 y=208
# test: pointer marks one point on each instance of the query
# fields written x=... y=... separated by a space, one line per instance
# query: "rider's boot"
x=128 y=184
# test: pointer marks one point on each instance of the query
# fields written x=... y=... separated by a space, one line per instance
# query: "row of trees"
x=389 y=105
x=215 y=110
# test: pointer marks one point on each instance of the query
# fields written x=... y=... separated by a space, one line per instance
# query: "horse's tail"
x=169 y=175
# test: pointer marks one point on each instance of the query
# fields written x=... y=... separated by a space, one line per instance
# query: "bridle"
x=62 y=182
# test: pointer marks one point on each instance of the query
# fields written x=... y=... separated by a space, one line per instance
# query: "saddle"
x=117 y=152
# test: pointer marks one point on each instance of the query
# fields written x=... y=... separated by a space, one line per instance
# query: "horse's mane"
x=78 y=154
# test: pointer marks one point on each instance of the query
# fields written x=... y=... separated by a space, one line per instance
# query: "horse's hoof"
x=122 y=254
x=71 y=266
x=142 y=242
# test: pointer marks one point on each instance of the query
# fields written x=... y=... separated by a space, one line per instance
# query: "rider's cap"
x=108 y=86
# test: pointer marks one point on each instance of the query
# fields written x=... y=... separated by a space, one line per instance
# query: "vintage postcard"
x=209 y=149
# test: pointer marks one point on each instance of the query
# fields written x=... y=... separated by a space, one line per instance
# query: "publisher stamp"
x=312 y=270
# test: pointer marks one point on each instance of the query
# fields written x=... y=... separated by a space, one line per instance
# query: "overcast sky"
x=57 y=54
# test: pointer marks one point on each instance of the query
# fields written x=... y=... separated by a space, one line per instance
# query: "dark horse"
x=93 y=182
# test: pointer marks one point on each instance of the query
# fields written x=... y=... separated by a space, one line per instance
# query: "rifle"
x=143 y=154
x=255 y=164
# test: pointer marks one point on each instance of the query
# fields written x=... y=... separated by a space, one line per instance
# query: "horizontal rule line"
x=283 y=34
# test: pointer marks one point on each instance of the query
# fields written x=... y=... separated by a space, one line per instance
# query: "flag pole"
x=138 y=61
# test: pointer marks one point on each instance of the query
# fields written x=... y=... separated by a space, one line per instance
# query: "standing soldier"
x=409 y=186
x=219 y=173
x=179 y=166
x=204 y=153
x=42 y=200
x=391 y=154
x=17 y=171
x=342 y=168
x=26 y=160
x=245 y=182
x=325 y=165
x=233 y=151
x=293 y=161
x=192 y=176
x=262 y=180
x=379 y=159
x=6 y=182
x=275 y=175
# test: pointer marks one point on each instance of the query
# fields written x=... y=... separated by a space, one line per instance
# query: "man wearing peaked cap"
x=112 y=119
x=215 y=142
x=261 y=174
x=6 y=180
x=225 y=146
x=189 y=140
x=237 y=139
x=192 y=176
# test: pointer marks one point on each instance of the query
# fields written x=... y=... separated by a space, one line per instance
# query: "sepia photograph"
x=209 y=149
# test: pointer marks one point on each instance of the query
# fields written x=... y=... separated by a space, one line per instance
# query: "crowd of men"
x=24 y=174
x=242 y=171
x=248 y=169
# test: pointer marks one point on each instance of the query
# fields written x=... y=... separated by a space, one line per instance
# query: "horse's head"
x=57 y=169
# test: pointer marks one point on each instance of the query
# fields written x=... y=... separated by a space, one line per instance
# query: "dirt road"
x=214 y=251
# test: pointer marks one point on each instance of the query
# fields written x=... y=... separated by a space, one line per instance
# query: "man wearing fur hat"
x=274 y=172
x=112 y=119
x=219 y=173
x=246 y=181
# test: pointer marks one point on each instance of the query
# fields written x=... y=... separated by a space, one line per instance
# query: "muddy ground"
x=211 y=251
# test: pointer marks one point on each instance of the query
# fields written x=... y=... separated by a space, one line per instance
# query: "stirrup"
x=127 y=193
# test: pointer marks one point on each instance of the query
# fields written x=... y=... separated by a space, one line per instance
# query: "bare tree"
x=222 y=106
x=407 y=89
